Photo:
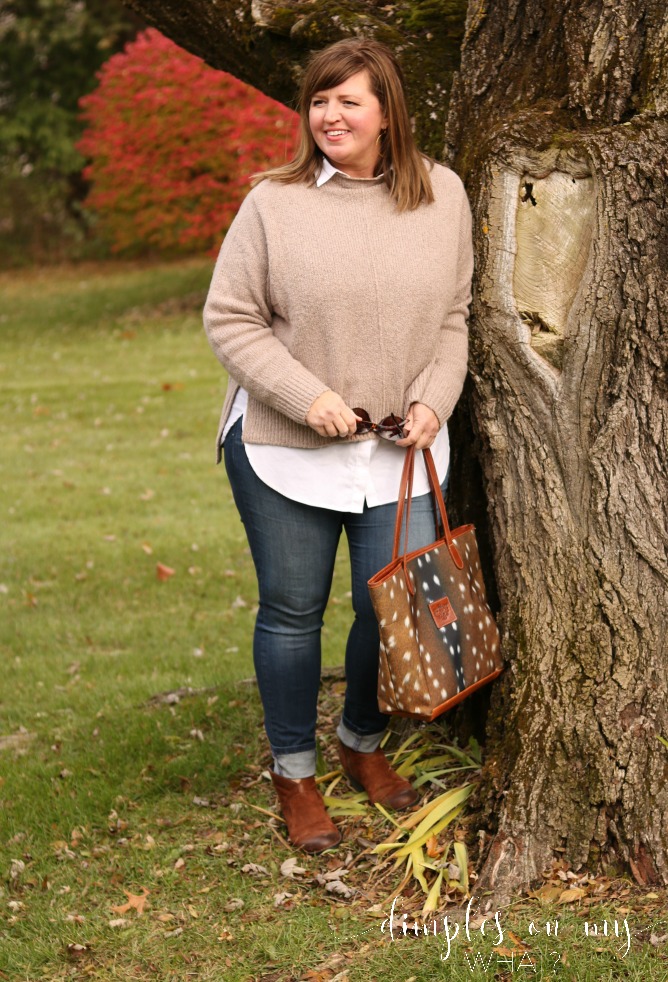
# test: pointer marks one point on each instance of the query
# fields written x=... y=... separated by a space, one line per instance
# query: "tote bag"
x=438 y=638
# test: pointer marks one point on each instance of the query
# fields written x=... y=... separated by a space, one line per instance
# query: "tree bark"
x=266 y=42
x=557 y=123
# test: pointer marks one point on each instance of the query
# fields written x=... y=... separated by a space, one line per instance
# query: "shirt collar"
x=327 y=171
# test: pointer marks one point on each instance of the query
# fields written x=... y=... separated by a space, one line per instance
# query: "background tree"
x=172 y=145
x=50 y=51
x=557 y=122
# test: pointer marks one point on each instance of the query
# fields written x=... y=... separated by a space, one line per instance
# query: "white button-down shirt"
x=343 y=476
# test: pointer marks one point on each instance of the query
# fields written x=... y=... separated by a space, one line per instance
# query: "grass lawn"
x=135 y=841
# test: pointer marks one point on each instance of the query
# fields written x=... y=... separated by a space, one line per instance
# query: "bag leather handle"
x=404 y=502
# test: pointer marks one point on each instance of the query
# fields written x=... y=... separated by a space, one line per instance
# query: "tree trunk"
x=558 y=126
x=557 y=122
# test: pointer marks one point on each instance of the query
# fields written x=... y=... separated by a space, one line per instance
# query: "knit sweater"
x=330 y=287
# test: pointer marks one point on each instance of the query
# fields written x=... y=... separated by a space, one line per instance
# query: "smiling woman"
x=343 y=282
x=347 y=123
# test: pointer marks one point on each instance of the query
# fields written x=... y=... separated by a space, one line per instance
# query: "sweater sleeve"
x=440 y=384
x=238 y=319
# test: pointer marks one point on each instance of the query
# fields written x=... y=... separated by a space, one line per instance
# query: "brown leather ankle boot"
x=309 y=826
x=372 y=773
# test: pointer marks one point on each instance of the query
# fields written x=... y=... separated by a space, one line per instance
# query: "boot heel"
x=372 y=773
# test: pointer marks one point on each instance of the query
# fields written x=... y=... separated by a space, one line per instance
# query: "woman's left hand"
x=421 y=427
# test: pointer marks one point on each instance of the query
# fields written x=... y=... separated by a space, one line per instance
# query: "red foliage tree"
x=172 y=143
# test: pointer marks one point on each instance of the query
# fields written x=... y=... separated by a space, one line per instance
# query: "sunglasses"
x=391 y=428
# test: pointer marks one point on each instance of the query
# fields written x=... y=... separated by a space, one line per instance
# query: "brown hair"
x=401 y=163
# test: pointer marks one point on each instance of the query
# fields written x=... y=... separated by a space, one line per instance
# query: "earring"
x=380 y=137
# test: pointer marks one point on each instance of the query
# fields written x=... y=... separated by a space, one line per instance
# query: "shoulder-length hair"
x=400 y=162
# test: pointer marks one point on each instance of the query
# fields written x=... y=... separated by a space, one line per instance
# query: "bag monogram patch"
x=442 y=612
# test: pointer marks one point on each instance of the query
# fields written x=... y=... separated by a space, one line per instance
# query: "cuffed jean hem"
x=295 y=766
x=363 y=744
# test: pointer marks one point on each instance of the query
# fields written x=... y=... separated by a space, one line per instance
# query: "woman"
x=338 y=306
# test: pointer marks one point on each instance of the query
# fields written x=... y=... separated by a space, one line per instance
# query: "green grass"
x=110 y=399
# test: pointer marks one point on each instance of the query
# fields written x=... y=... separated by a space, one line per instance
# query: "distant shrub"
x=172 y=143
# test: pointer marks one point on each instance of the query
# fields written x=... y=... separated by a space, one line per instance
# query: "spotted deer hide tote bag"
x=438 y=639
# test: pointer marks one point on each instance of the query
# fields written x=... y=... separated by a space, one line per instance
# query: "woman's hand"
x=330 y=416
x=421 y=427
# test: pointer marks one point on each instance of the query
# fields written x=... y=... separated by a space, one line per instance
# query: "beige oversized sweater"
x=330 y=287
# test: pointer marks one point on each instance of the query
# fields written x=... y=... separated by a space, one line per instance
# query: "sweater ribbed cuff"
x=296 y=394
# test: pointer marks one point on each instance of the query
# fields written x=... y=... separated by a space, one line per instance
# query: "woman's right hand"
x=330 y=416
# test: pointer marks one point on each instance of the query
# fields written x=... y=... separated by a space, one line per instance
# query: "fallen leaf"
x=118 y=922
x=280 y=898
x=335 y=961
x=147 y=548
x=16 y=741
x=180 y=863
x=235 y=903
x=135 y=902
x=548 y=893
x=76 y=951
x=637 y=875
x=254 y=869
x=516 y=940
x=433 y=848
x=340 y=888
x=290 y=869
x=17 y=867
x=163 y=572
x=570 y=895
x=334 y=874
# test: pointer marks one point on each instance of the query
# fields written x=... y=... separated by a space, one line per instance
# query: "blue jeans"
x=293 y=548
